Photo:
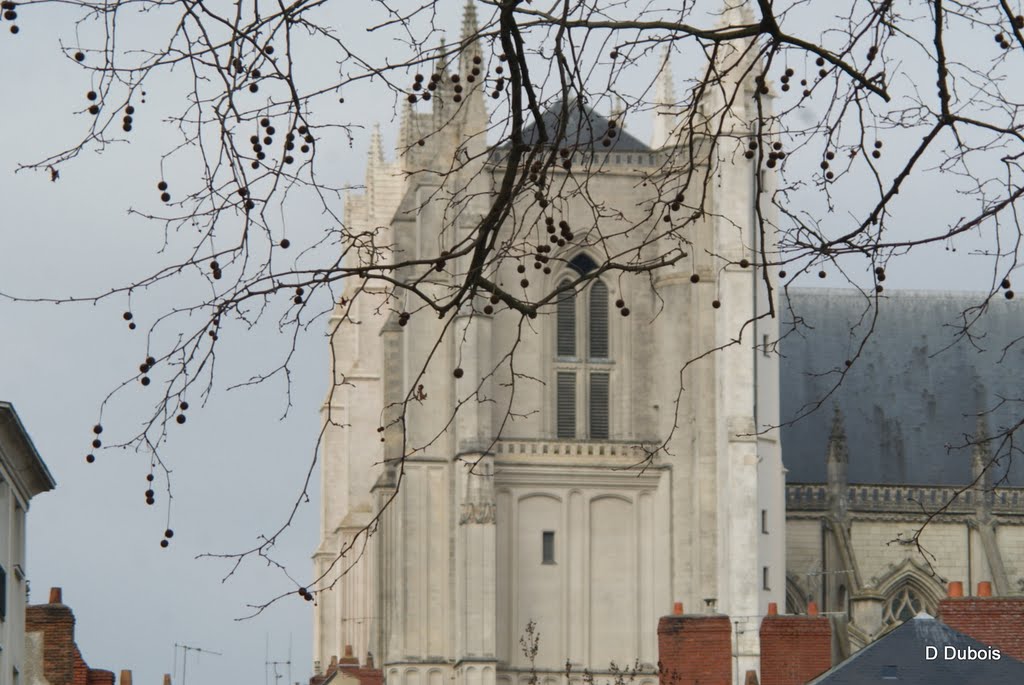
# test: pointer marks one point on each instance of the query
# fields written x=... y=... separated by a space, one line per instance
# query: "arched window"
x=582 y=358
x=903 y=605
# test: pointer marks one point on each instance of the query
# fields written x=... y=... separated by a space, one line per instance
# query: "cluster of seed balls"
x=10 y=13
x=1001 y=38
x=254 y=74
x=422 y=89
x=775 y=154
x=260 y=143
x=1005 y=285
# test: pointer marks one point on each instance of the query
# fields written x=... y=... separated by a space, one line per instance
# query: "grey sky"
x=237 y=465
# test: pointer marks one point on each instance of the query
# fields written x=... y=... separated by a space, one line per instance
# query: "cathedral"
x=492 y=505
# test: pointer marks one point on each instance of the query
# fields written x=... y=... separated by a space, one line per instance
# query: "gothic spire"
x=836 y=464
x=470 y=40
x=837 y=450
x=737 y=13
x=664 y=101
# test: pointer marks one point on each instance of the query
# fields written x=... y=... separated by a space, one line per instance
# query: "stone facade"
x=484 y=521
x=23 y=475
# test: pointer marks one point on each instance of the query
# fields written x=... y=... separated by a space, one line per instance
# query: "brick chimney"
x=794 y=649
x=694 y=649
x=995 y=621
x=62 y=662
x=98 y=676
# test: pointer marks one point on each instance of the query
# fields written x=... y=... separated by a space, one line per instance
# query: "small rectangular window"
x=548 y=547
x=764 y=520
x=565 y=405
x=764 y=578
x=599 y=406
x=764 y=345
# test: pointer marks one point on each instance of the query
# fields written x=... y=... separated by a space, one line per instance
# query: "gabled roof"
x=914 y=391
x=584 y=128
x=900 y=658
x=23 y=464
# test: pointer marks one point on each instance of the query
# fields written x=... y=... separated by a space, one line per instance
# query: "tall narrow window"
x=565 y=406
x=598 y=321
x=566 y=324
x=547 y=550
x=764 y=520
x=583 y=356
x=599 y=406
x=764 y=578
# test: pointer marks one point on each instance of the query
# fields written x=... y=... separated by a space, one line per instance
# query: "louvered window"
x=599 y=406
x=566 y=317
x=583 y=358
x=598 y=321
x=565 y=405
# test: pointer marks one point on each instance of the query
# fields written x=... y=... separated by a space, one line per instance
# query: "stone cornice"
x=904 y=499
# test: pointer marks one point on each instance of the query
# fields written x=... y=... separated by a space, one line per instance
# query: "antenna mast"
x=185 y=649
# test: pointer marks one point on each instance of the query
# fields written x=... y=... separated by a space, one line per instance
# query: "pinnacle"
x=469 y=23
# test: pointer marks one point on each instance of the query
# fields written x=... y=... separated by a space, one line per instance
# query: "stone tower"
x=506 y=494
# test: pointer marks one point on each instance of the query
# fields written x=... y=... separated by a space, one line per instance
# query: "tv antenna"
x=272 y=666
x=185 y=649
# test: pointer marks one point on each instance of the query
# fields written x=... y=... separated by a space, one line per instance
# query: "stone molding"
x=903 y=499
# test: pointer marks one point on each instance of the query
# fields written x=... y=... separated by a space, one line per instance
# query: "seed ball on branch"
x=97 y=443
x=168 y=533
x=165 y=197
x=184 y=405
x=164 y=543
x=149 y=477
x=458 y=373
x=1008 y=294
x=716 y=304
x=620 y=303
x=90 y=458
x=144 y=380
x=695 y=278
x=744 y=263
x=131 y=326
x=97 y=429
x=285 y=243
x=624 y=311
x=127 y=316
x=879 y=288
x=180 y=418
x=1005 y=284
x=614 y=54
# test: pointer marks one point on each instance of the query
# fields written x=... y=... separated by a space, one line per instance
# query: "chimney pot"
x=348 y=651
x=984 y=589
x=167 y=679
x=334 y=661
x=751 y=678
x=812 y=608
x=773 y=609
x=55 y=596
x=126 y=677
x=677 y=609
x=956 y=589
x=369 y=659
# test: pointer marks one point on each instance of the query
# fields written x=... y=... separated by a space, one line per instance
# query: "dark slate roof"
x=914 y=390
x=899 y=658
x=584 y=128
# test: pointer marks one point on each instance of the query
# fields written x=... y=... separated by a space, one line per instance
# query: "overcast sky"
x=238 y=465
